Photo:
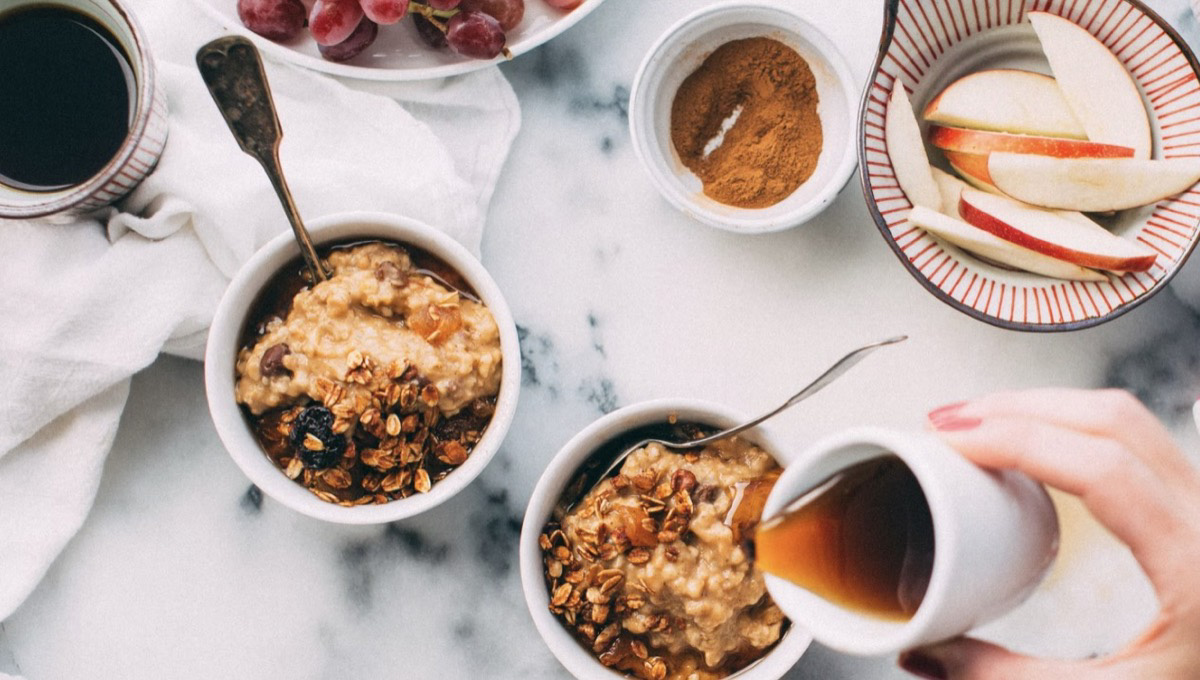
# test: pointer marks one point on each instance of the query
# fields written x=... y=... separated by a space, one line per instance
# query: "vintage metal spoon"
x=233 y=72
x=608 y=458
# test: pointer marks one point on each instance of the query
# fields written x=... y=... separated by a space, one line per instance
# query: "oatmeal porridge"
x=653 y=570
x=374 y=384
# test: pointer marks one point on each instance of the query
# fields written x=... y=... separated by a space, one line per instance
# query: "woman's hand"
x=1107 y=449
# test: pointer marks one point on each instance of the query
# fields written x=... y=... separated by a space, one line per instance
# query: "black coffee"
x=66 y=96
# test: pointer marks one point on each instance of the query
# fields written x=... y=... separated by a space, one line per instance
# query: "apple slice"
x=1095 y=83
x=989 y=246
x=984 y=142
x=951 y=188
x=906 y=149
x=973 y=168
x=1086 y=244
x=1091 y=184
x=1006 y=100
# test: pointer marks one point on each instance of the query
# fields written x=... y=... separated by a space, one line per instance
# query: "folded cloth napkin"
x=86 y=305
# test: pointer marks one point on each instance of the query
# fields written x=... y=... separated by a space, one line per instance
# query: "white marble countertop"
x=184 y=571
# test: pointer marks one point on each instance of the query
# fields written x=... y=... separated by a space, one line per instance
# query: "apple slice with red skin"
x=991 y=247
x=984 y=142
x=1095 y=84
x=988 y=246
x=1006 y=100
x=973 y=168
x=1084 y=243
x=1091 y=184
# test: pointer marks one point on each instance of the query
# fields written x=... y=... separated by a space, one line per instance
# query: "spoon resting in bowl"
x=608 y=458
x=233 y=71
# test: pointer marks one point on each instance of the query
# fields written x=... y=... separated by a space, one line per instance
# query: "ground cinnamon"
x=768 y=92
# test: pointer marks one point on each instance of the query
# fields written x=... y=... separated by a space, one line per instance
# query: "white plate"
x=399 y=53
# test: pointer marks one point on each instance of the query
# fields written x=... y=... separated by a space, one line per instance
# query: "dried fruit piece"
x=271 y=363
x=314 y=440
x=683 y=480
x=452 y=453
x=632 y=520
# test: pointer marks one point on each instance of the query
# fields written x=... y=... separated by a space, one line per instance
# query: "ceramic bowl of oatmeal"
x=371 y=396
x=650 y=573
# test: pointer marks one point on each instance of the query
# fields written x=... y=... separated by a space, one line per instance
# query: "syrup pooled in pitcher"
x=863 y=540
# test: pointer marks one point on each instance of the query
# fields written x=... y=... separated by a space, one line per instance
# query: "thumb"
x=970 y=659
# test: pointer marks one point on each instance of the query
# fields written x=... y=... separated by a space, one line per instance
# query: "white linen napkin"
x=84 y=306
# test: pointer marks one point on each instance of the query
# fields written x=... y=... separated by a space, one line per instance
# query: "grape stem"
x=433 y=14
x=438 y=18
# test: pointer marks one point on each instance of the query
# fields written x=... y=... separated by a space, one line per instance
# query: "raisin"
x=272 y=360
x=314 y=440
x=683 y=480
x=391 y=272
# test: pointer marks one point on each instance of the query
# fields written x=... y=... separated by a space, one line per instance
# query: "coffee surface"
x=67 y=95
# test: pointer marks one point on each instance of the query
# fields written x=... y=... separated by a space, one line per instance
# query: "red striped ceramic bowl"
x=928 y=44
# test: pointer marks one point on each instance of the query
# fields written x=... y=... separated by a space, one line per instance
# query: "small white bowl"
x=224 y=342
x=681 y=50
x=562 y=469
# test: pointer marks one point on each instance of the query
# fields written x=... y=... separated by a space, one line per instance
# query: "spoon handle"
x=233 y=72
x=832 y=373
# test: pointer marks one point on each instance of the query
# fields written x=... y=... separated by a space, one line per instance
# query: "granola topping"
x=650 y=572
x=375 y=384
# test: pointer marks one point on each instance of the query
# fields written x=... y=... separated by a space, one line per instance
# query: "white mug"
x=144 y=143
x=995 y=536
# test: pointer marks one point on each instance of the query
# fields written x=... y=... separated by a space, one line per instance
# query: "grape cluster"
x=344 y=28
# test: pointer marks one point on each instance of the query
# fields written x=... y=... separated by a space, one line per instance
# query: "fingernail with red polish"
x=956 y=424
x=923 y=666
x=944 y=411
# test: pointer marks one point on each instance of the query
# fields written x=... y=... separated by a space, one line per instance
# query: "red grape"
x=442 y=4
x=332 y=21
x=432 y=35
x=272 y=19
x=508 y=12
x=475 y=34
x=564 y=4
x=384 y=11
x=351 y=47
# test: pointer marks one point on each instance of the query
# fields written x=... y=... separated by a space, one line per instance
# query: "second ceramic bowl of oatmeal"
x=648 y=574
x=743 y=114
x=374 y=395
